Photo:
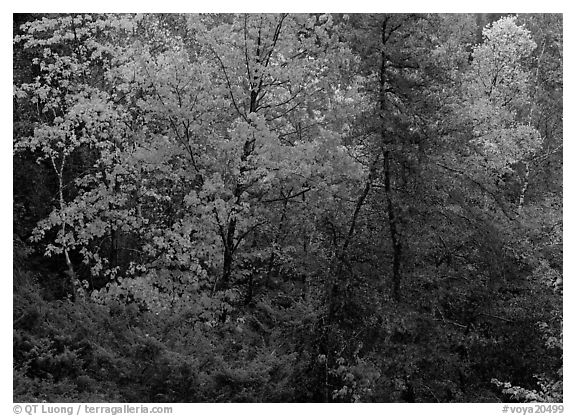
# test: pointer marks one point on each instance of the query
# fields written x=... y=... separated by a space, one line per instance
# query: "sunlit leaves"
x=497 y=68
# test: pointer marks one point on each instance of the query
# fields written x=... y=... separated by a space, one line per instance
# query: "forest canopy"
x=287 y=207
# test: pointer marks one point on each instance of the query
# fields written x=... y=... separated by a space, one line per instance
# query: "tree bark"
x=78 y=290
x=229 y=238
x=334 y=280
x=524 y=185
x=386 y=143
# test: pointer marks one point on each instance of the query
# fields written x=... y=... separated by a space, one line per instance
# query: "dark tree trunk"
x=386 y=142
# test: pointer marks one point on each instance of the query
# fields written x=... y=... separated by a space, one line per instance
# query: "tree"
x=318 y=207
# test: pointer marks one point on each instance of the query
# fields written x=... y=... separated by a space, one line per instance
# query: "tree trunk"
x=78 y=290
x=524 y=185
x=392 y=216
x=334 y=280
x=256 y=85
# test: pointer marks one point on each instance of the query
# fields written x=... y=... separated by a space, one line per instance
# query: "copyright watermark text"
x=89 y=409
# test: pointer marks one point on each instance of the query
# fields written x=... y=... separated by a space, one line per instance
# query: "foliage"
x=278 y=207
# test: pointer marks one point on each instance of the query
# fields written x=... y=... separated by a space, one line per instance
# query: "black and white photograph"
x=287 y=208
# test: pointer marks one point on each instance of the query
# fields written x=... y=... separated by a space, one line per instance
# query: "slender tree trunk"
x=386 y=142
x=394 y=234
x=524 y=186
x=334 y=280
x=78 y=290
x=115 y=236
x=228 y=254
x=277 y=239
x=229 y=241
x=256 y=85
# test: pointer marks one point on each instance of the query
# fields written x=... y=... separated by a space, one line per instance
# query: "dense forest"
x=287 y=208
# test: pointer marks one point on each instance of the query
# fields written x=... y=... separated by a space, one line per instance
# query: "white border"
x=297 y=6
